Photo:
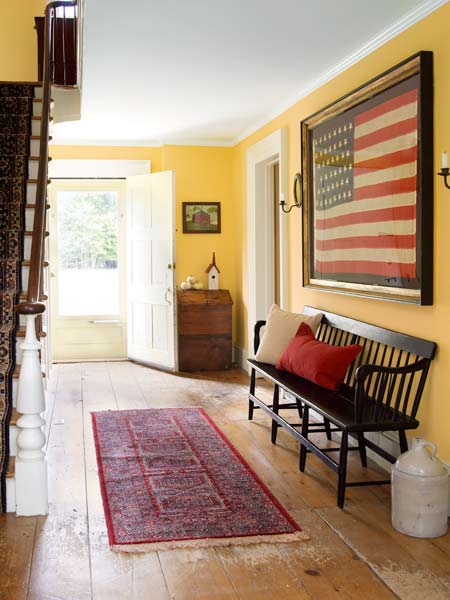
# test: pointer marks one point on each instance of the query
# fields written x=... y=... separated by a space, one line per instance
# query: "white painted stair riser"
x=29 y=219
x=34 y=147
x=33 y=168
x=10 y=495
x=19 y=352
x=12 y=440
x=15 y=387
x=38 y=92
x=36 y=127
x=27 y=245
x=37 y=109
x=25 y=273
x=31 y=193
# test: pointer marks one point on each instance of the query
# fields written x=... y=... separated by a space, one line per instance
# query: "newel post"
x=31 y=466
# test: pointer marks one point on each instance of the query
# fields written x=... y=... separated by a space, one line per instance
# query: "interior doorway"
x=88 y=270
x=267 y=237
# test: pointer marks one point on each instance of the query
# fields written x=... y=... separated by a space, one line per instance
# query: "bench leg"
x=362 y=449
x=251 y=404
x=342 y=469
x=276 y=403
x=305 y=424
x=326 y=422
x=299 y=408
x=403 y=441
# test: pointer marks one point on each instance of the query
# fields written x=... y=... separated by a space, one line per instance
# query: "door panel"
x=151 y=242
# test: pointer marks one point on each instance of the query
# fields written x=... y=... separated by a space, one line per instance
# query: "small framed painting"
x=368 y=188
x=201 y=217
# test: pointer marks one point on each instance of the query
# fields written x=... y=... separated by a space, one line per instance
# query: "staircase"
x=20 y=120
x=25 y=110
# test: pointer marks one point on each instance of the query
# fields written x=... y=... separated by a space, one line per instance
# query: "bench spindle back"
x=397 y=395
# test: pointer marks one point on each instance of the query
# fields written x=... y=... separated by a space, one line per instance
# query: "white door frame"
x=260 y=156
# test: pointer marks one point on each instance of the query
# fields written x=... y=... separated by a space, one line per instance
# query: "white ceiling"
x=211 y=71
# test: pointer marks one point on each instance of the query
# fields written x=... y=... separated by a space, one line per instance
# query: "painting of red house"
x=201 y=217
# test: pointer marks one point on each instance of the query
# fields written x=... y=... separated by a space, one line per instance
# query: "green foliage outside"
x=87 y=230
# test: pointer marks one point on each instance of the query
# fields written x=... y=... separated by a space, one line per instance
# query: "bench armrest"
x=257 y=336
x=386 y=393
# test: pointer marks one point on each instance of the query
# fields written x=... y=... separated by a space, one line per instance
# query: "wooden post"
x=31 y=466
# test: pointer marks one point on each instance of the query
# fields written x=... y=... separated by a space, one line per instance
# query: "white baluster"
x=31 y=466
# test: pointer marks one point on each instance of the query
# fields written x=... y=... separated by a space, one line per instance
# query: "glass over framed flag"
x=367 y=164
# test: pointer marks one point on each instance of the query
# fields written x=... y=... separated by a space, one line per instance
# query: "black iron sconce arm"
x=445 y=173
x=298 y=194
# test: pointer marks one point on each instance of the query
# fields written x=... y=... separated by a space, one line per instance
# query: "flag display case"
x=367 y=163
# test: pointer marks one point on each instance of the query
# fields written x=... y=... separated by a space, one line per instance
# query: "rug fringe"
x=284 y=538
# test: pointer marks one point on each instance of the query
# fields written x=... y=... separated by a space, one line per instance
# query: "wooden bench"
x=381 y=392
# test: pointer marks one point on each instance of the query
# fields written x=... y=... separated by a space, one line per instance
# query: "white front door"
x=151 y=268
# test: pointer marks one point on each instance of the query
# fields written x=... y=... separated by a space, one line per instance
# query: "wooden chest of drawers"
x=204 y=330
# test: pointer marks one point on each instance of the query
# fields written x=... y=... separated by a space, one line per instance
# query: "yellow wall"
x=18 y=40
x=431 y=322
x=203 y=174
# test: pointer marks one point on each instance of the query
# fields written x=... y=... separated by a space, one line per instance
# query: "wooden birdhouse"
x=213 y=274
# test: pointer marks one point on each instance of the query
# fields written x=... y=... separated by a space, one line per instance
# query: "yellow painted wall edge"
x=18 y=39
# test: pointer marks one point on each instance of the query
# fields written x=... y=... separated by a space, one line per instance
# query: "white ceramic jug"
x=420 y=492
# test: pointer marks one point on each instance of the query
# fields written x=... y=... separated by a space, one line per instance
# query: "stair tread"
x=37 y=137
x=23 y=297
x=35 y=181
x=26 y=263
x=16 y=376
x=30 y=233
x=21 y=332
x=34 y=206
x=38 y=157
x=15 y=416
x=11 y=470
x=37 y=118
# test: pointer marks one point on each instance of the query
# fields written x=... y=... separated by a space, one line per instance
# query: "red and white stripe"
x=375 y=233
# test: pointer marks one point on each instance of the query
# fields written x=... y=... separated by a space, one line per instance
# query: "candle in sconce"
x=444 y=160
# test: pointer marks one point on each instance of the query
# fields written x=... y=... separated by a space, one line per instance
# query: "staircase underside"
x=16 y=107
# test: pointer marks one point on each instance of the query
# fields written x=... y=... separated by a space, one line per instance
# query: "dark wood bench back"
x=395 y=391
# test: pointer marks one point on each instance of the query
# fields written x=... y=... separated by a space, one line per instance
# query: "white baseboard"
x=240 y=356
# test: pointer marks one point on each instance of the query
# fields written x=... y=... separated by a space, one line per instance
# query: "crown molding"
x=89 y=142
x=145 y=143
x=219 y=142
x=392 y=31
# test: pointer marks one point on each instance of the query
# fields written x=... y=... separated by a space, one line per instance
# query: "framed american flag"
x=367 y=163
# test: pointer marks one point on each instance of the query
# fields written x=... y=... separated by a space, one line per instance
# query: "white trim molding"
x=260 y=227
x=65 y=168
x=416 y=15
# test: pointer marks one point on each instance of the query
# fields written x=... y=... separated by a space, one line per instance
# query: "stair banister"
x=31 y=467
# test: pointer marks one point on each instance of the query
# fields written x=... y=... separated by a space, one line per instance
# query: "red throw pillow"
x=317 y=361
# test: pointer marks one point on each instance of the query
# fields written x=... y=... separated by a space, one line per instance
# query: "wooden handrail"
x=32 y=305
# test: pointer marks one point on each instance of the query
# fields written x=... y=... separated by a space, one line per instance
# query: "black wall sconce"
x=298 y=194
x=445 y=171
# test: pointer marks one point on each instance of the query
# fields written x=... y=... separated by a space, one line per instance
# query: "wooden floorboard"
x=352 y=554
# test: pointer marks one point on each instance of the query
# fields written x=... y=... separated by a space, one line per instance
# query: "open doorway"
x=88 y=269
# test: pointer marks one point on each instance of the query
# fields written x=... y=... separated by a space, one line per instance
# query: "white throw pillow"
x=280 y=328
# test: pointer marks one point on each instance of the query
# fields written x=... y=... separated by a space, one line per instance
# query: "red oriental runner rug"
x=171 y=479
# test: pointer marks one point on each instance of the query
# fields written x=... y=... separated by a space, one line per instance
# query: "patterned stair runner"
x=16 y=106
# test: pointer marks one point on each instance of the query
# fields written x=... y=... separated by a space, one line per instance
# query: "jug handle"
x=433 y=448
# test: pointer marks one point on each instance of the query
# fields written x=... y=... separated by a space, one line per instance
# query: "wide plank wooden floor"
x=352 y=553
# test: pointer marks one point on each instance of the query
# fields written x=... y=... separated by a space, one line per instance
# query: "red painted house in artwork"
x=201 y=218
